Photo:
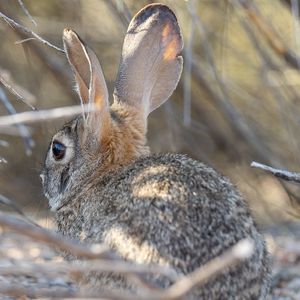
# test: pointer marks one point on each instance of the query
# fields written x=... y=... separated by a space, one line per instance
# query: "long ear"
x=89 y=79
x=151 y=64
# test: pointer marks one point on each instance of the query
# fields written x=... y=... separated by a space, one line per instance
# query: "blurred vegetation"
x=238 y=99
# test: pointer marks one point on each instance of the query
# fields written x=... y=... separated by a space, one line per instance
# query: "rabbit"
x=104 y=186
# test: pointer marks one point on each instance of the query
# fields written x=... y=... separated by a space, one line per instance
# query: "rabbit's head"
x=107 y=136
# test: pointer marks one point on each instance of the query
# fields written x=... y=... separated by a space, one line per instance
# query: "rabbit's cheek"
x=64 y=179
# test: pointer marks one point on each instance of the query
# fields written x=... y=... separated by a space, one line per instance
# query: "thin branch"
x=55 y=66
x=29 y=32
x=282 y=174
x=27 y=12
x=40 y=115
x=7 y=202
x=24 y=132
x=14 y=88
x=51 y=269
x=49 y=238
x=181 y=288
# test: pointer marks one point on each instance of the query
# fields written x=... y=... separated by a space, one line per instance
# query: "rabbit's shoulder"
x=171 y=176
x=163 y=207
x=174 y=188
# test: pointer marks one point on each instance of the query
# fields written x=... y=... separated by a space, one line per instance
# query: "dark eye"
x=58 y=150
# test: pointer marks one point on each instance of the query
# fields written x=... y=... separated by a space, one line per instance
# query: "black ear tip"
x=161 y=10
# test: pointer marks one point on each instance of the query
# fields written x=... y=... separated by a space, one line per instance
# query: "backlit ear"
x=151 y=64
x=90 y=81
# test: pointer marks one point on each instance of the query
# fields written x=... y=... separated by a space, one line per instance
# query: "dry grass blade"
x=27 y=12
x=282 y=174
x=29 y=32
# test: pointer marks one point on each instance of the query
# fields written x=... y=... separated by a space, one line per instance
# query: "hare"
x=104 y=186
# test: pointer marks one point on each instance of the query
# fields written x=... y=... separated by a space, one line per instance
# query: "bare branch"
x=51 y=269
x=27 y=12
x=9 y=203
x=52 y=64
x=14 y=88
x=282 y=174
x=54 y=240
x=238 y=253
x=39 y=115
x=29 y=32
x=24 y=132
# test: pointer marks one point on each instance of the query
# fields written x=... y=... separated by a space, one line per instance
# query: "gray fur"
x=166 y=209
x=162 y=209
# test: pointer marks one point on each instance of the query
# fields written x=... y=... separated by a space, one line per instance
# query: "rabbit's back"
x=172 y=210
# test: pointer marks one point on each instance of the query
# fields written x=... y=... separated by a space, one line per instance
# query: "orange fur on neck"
x=125 y=141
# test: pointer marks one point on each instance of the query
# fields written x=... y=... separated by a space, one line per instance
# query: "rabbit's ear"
x=151 y=64
x=89 y=79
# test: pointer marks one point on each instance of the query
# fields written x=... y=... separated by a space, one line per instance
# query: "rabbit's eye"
x=58 y=150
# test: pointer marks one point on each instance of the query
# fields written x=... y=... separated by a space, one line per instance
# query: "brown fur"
x=161 y=209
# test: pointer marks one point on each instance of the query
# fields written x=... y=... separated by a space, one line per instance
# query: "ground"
x=283 y=242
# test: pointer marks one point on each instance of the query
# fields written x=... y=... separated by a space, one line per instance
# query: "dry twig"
x=40 y=115
x=52 y=239
x=22 y=94
x=29 y=32
x=24 y=132
x=79 y=267
x=183 y=286
x=282 y=174
x=27 y=12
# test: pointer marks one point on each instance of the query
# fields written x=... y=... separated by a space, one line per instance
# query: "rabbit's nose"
x=42 y=176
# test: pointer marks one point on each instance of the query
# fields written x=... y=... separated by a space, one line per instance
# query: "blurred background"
x=238 y=99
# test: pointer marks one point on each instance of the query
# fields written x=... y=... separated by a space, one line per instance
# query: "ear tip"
x=163 y=11
x=69 y=34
